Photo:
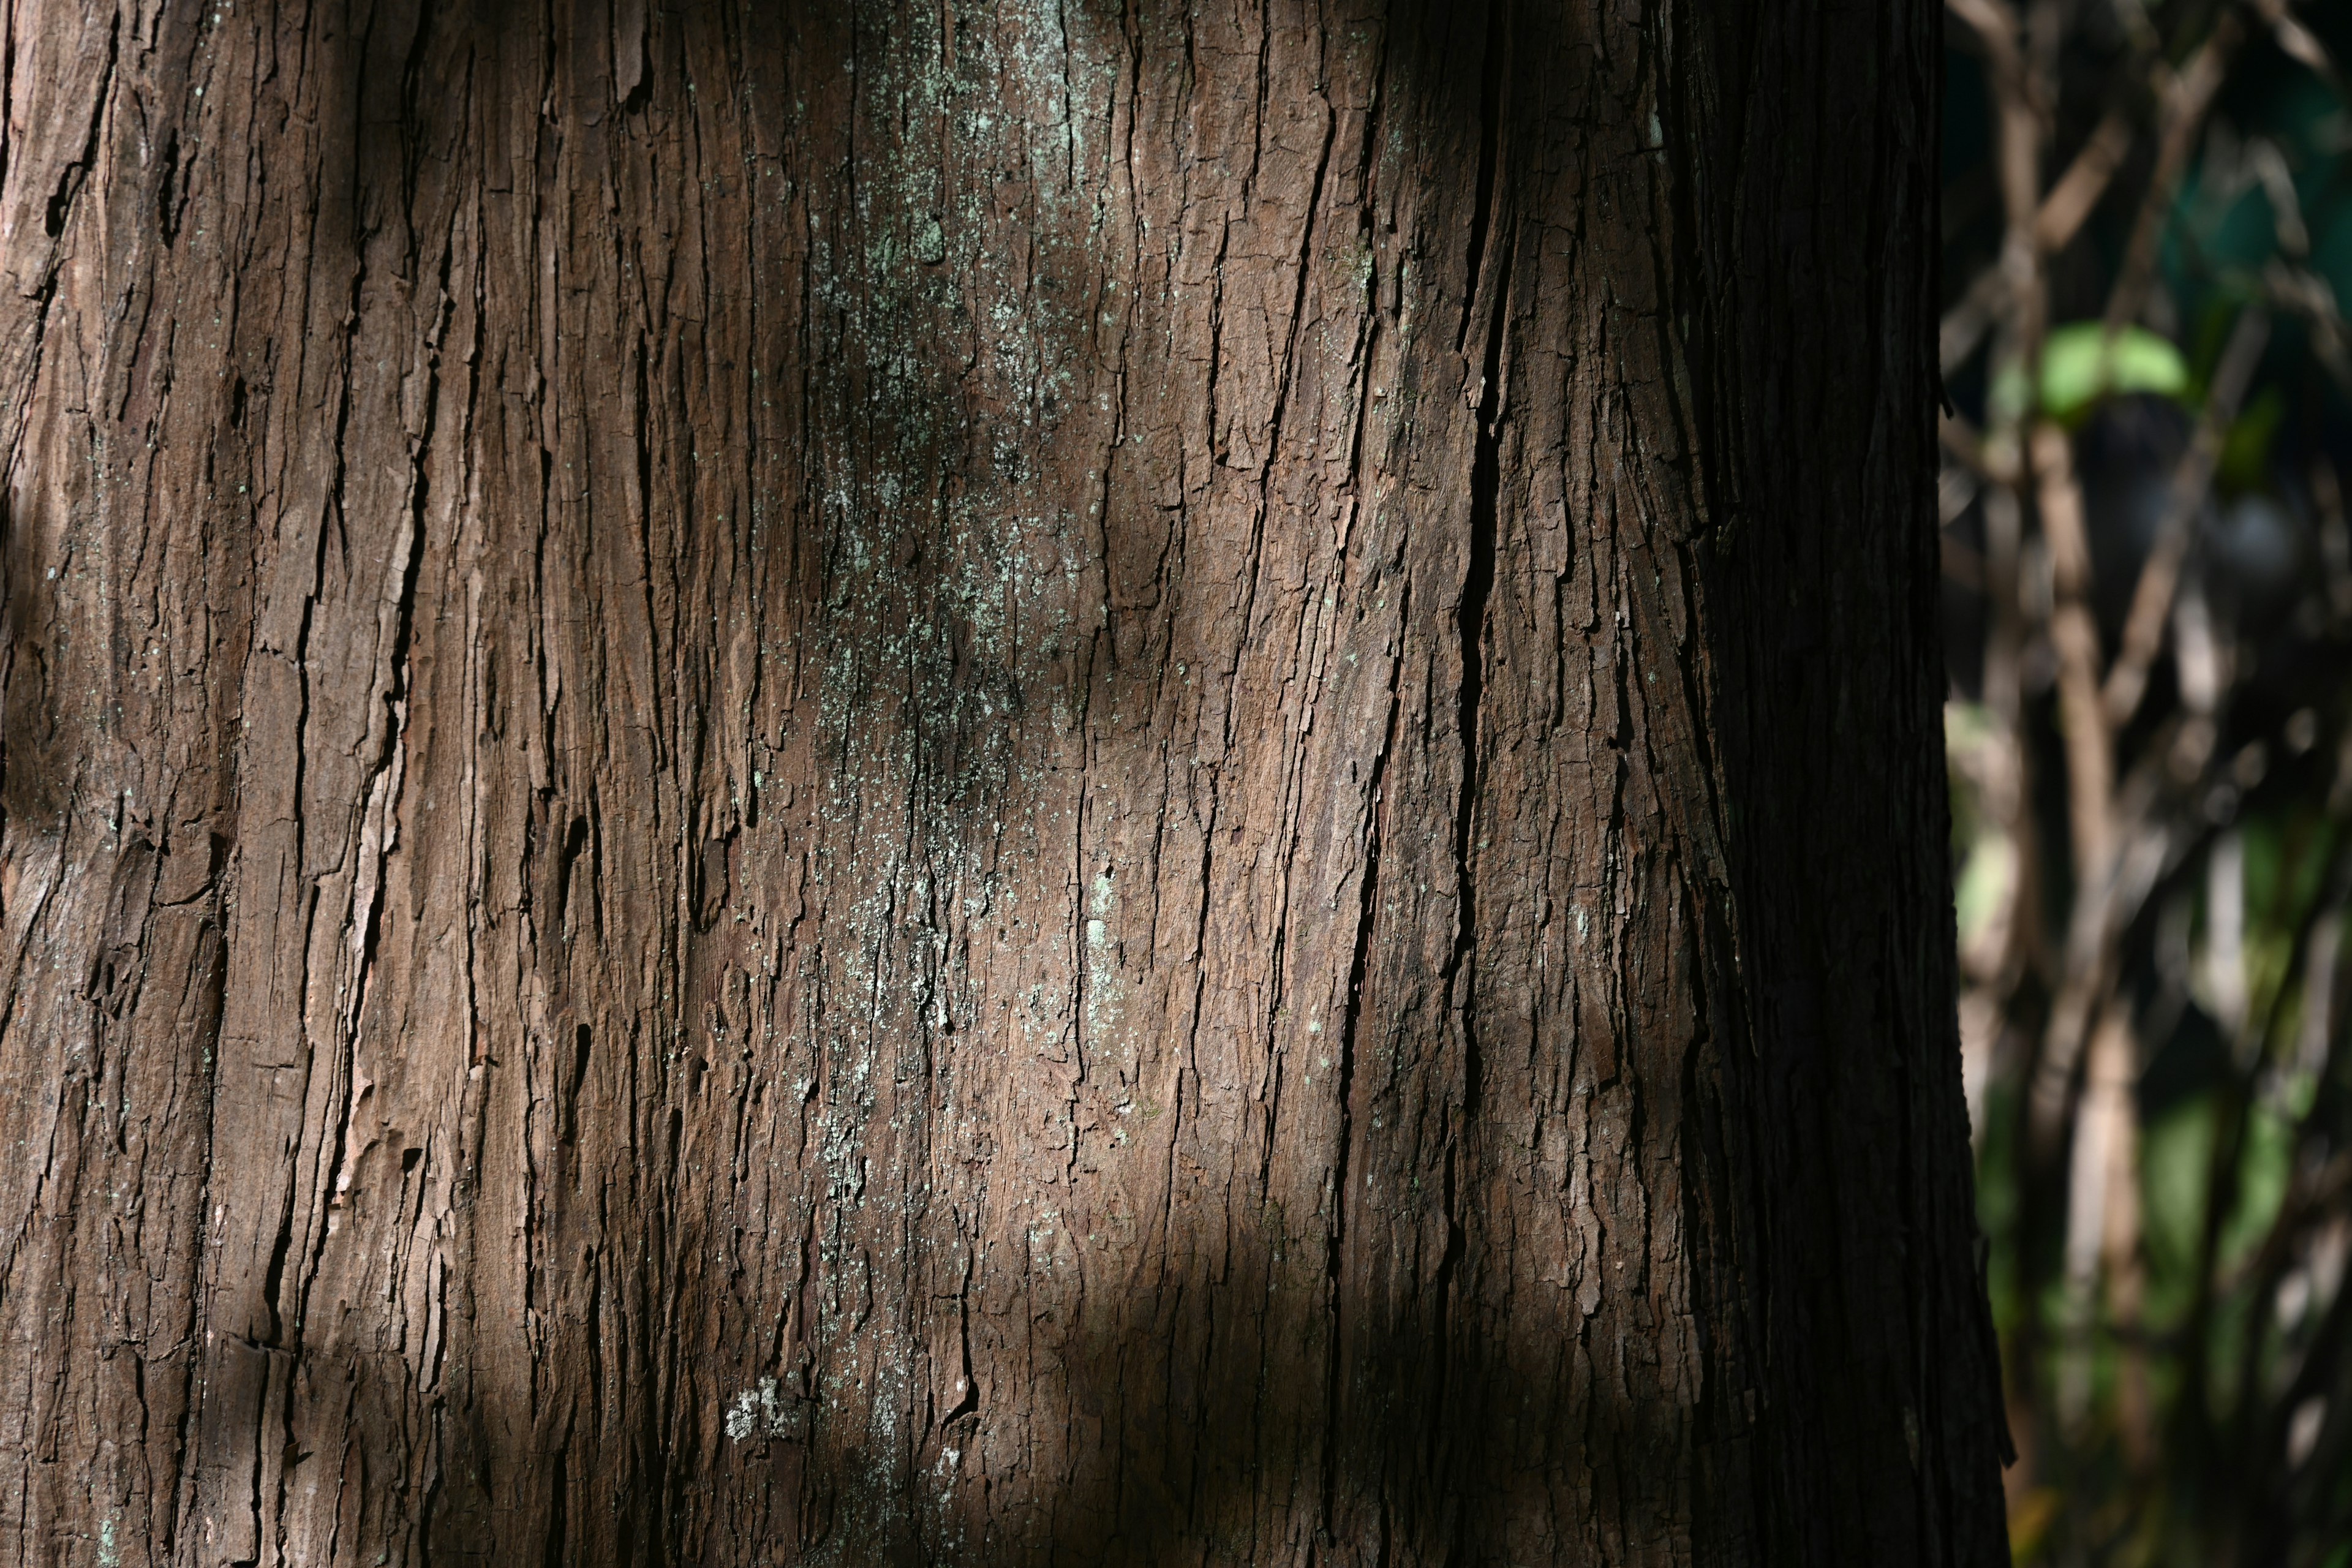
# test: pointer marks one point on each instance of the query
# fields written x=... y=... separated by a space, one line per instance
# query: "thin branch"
x=1963 y=326
x=2086 y=179
x=2185 y=99
x=2074 y=635
x=2056 y=221
x=2160 y=577
x=2299 y=42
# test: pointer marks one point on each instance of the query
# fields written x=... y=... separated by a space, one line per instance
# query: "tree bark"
x=896 y=782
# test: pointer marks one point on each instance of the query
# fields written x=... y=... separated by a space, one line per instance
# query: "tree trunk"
x=977 y=785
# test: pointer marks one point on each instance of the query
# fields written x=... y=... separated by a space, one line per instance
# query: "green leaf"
x=2081 y=365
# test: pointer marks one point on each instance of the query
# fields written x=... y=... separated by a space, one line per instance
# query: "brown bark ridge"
x=976 y=783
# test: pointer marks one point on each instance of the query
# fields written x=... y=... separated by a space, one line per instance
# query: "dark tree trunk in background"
x=975 y=785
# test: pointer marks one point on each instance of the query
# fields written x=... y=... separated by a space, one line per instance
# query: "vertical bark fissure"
x=76 y=174
x=331 y=518
x=180 y=1487
x=1351 y=1022
x=1478 y=573
x=1490 y=146
x=1470 y=631
x=1457 y=982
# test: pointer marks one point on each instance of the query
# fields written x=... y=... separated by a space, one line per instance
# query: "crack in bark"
x=1459 y=980
x=71 y=178
x=1350 y=1024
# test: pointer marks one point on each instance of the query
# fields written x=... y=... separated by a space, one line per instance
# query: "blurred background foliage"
x=2147 y=445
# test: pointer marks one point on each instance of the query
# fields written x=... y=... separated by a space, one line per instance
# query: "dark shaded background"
x=2161 y=1088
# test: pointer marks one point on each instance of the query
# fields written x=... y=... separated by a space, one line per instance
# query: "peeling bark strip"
x=976 y=783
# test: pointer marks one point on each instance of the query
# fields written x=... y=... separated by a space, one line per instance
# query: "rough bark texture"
x=983 y=784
